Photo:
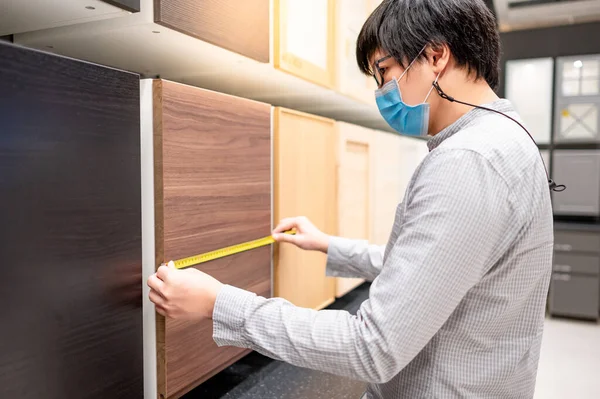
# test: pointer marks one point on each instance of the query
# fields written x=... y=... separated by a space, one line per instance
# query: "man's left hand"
x=183 y=294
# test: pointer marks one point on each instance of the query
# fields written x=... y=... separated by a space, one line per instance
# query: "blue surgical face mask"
x=405 y=119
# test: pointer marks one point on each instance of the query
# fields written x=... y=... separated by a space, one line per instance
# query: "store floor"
x=568 y=368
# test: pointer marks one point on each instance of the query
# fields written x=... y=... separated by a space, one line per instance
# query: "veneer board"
x=304 y=181
x=71 y=229
x=212 y=188
x=355 y=187
x=239 y=26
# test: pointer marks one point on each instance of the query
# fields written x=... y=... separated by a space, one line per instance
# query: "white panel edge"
x=148 y=250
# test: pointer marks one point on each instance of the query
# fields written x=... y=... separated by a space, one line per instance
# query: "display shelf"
x=136 y=43
x=18 y=16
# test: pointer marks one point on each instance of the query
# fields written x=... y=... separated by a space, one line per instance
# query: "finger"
x=156 y=298
x=161 y=311
x=288 y=238
x=286 y=224
x=156 y=284
x=163 y=273
x=171 y=265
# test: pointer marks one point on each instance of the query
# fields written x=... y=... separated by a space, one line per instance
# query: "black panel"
x=70 y=232
x=549 y=42
x=7 y=38
x=129 y=5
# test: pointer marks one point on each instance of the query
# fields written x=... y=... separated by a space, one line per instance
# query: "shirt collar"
x=501 y=105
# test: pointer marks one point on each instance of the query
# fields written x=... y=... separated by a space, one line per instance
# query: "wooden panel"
x=239 y=26
x=355 y=154
x=388 y=183
x=304 y=33
x=212 y=189
x=350 y=80
x=304 y=172
x=71 y=229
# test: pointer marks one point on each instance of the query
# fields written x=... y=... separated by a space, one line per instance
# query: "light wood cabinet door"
x=350 y=17
x=304 y=43
x=355 y=187
x=212 y=189
x=388 y=183
x=304 y=185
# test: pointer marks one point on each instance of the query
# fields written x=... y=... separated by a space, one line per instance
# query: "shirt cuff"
x=337 y=256
x=229 y=316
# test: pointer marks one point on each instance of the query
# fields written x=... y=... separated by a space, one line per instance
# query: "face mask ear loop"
x=432 y=87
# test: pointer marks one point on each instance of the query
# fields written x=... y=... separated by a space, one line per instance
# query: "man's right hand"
x=307 y=236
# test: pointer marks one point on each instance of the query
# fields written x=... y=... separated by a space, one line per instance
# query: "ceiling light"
x=578 y=64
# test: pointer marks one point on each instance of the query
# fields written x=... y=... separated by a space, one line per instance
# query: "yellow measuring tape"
x=223 y=252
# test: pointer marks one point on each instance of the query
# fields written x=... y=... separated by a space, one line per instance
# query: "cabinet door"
x=388 y=175
x=582 y=196
x=577 y=116
x=350 y=80
x=304 y=186
x=212 y=185
x=529 y=85
x=304 y=39
x=240 y=26
x=71 y=236
x=574 y=295
x=355 y=187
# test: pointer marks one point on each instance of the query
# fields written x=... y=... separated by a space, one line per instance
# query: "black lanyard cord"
x=551 y=183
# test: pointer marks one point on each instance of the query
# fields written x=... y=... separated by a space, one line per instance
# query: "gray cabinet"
x=575 y=285
x=579 y=170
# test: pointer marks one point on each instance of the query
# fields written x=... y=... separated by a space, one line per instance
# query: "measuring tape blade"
x=227 y=251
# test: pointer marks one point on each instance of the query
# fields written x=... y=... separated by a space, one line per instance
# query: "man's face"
x=414 y=85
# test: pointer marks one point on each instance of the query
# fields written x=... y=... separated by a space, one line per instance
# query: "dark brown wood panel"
x=213 y=169
x=70 y=239
x=239 y=26
x=129 y=5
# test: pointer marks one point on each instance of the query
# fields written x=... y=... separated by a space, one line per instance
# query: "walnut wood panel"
x=355 y=149
x=388 y=181
x=239 y=26
x=71 y=229
x=212 y=189
x=304 y=186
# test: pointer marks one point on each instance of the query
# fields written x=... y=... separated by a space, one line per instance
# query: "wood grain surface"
x=213 y=189
x=71 y=229
x=129 y=5
x=388 y=183
x=304 y=186
x=239 y=26
x=355 y=188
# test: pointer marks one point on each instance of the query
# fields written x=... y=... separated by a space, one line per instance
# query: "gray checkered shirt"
x=456 y=308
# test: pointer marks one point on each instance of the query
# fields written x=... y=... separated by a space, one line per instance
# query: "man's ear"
x=438 y=56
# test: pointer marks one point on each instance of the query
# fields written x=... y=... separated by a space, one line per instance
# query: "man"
x=456 y=307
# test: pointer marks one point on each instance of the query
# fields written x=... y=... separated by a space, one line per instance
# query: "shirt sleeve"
x=354 y=258
x=458 y=223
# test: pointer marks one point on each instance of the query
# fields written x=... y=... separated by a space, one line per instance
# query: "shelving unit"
x=139 y=43
x=559 y=99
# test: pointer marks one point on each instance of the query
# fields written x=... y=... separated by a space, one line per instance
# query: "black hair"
x=401 y=28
